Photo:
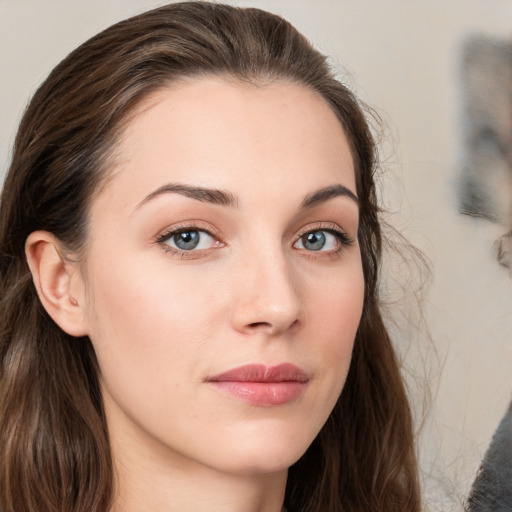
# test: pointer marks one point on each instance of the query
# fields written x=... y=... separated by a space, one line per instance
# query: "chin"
x=269 y=463
x=272 y=453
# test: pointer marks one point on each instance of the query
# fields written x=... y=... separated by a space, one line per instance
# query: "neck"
x=164 y=490
x=159 y=481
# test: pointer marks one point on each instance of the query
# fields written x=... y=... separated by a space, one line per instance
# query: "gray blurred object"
x=492 y=489
x=486 y=181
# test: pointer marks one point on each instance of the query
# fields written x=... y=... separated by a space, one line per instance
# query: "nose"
x=267 y=299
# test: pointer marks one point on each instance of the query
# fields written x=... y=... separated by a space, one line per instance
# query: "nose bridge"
x=267 y=293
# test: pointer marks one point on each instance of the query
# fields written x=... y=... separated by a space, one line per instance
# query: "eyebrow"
x=324 y=194
x=225 y=198
x=203 y=194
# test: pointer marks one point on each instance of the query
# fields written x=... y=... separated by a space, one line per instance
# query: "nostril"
x=270 y=327
x=255 y=325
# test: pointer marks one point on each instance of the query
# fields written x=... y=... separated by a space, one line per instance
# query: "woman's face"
x=223 y=280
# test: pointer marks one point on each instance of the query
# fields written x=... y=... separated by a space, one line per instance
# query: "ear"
x=58 y=282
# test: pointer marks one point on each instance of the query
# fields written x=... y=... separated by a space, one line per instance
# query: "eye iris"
x=314 y=241
x=187 y=240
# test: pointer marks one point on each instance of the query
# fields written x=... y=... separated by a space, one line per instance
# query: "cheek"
x=149 y=323
x=337 y=309
x=152 y=335
x=333 y=315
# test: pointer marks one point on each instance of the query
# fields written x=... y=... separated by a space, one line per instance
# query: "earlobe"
x=57 y=281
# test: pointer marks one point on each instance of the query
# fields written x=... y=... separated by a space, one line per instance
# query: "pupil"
x=187 y=240
x=314 y=241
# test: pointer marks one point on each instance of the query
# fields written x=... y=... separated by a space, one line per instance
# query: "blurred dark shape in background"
x=485 y=187
x=492 y=489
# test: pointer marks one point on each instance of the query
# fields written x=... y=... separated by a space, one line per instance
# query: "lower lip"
x=262 y=393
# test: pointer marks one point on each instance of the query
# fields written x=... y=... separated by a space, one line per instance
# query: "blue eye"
x=188 y=240
x=322 y=240
x=314 y=241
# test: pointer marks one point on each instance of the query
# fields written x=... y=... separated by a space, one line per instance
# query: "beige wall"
x=402 y=58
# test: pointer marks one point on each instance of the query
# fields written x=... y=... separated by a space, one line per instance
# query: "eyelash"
x=344 y=240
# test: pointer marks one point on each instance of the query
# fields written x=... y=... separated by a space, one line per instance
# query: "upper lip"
x=285 y=372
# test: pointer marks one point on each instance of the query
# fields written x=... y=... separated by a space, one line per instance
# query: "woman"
x=190 y=248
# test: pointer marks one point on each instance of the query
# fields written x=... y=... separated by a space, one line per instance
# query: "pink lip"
x=262 y=385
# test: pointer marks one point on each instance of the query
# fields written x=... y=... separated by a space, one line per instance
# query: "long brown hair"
x=54 y=447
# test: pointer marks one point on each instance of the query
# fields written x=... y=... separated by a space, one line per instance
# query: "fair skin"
x=272 y=278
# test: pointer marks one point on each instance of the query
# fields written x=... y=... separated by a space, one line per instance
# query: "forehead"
x=213 y=132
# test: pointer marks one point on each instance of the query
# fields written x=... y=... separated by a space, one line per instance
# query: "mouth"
x=262 y=385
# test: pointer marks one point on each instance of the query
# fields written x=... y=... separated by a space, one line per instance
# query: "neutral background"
x=401 y=57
